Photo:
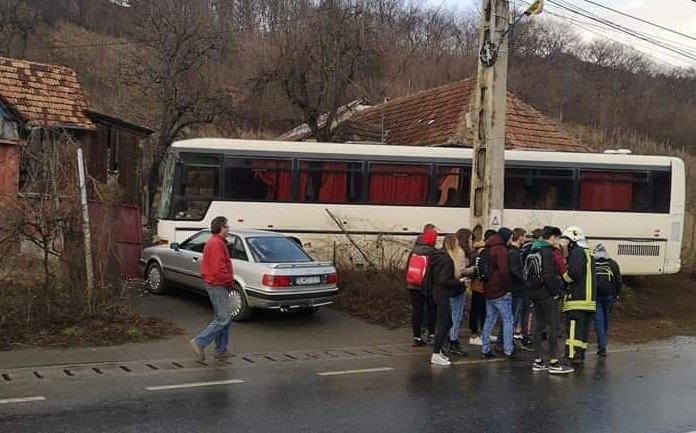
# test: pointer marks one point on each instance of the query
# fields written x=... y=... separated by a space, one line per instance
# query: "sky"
x=679 y=15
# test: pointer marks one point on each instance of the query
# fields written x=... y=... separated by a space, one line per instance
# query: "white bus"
x=632 y=204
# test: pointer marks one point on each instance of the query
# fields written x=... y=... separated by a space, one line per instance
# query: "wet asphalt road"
x=652 y=390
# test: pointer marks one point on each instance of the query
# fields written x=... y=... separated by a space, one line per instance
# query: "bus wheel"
x=239 y=308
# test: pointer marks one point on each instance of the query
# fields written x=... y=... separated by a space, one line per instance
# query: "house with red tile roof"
x=37 y=95
x=437 y=117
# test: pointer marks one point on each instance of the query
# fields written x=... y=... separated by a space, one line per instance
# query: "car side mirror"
x=174 y=246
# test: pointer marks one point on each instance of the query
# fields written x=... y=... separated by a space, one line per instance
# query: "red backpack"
x=417 y=266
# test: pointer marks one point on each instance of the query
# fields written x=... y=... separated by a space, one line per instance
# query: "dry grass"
x=375 y=296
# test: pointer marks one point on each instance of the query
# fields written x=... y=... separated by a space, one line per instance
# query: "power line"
x=601 y=29
x=589 y=15
x=641 y=19
x=635 y=33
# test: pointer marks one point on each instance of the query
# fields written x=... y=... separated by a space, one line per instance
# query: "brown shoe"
x=197 y=349
x=223 y=355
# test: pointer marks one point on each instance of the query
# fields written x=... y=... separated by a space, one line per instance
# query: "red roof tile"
x=42 y=94
x=437 y=117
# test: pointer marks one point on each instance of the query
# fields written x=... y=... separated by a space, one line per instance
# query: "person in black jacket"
x=447 y=282
x=545 y=310
x=518 y=283
x=421 y=298
x=608 y=276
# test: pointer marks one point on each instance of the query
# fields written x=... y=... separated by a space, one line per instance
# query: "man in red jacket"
x=216 y=270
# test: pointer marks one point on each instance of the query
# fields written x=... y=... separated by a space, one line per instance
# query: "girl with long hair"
x=447 y=282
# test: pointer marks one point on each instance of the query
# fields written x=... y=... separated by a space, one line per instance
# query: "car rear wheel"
x=155 y=280
x=239 y=308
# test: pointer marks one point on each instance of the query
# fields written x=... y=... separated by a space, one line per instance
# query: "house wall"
x=9 y=168
x=113 y=154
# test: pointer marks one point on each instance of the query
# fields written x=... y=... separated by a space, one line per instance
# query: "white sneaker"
x=475 y=341
x=494 y=339
x=439 y=359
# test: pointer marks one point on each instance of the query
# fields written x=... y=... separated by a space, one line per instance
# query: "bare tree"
x=316 y=57
x=18 y=21
x=175 y=67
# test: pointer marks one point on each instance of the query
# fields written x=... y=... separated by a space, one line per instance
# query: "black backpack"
x=483 y=265
x=606 y=279
x=534 y=270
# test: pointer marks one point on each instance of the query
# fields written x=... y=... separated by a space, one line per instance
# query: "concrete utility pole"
x=487 y=119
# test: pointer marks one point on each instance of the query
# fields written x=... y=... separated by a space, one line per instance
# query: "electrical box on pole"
x=487 y=116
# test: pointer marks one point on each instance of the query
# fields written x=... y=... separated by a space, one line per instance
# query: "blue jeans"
x=494 y=307
x=604 y=304
x=219 y=328
x=457 y=306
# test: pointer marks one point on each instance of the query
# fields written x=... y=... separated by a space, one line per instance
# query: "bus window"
x=199 y=184
x=613 y=191
x=538 y=189
x=258 y=179
x=662 y=189
x=399 y=184
x=330 y=182
x=453 y=185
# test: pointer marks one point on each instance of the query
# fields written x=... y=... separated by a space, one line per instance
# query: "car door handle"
x=195 y=259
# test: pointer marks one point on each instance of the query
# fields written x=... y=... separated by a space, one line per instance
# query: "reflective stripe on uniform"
x=580 y=306
x=572 y=343
x=589 y=278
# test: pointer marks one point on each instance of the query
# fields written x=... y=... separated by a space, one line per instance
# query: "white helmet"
x=577 y=235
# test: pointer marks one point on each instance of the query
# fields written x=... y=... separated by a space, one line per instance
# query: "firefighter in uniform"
x=580 y=299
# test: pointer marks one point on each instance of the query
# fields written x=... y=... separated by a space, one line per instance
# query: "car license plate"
x=304 y=281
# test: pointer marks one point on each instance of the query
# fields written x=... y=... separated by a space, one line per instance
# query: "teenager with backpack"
x=525 y=323
x=494 y=270
x=580 y=304
x=447 y=282
x=519 y=284
x=544 y=286
x=608 y=276
x=421 y=298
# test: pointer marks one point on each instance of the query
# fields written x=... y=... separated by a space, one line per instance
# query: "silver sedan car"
x=271 y=271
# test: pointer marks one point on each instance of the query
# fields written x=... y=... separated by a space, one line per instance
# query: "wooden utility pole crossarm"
x=487 y=119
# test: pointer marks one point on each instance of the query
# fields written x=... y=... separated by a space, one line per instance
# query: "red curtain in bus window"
x=302 y=181
x=398 y=184
x=606 y=191
x=277 y=175
x=334 y=183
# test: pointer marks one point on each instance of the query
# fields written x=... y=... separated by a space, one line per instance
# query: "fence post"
x=89 y=269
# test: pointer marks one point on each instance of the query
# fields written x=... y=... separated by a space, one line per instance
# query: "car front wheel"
x=155 y=280
x=239 y=308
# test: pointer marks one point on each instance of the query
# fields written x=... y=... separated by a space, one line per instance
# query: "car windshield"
x=276 y=249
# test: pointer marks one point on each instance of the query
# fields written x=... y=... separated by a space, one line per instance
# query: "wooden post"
x=89 y=268
x=487 y=117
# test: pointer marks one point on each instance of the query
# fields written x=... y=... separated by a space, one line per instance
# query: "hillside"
x=399 y=50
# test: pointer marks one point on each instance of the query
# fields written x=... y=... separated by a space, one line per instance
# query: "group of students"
x=525 y=280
